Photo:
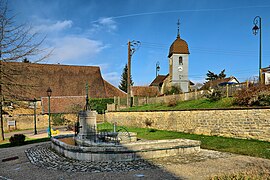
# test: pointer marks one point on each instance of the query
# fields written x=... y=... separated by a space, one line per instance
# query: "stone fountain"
x=91 y=145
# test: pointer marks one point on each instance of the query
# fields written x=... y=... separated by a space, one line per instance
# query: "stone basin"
x=106 y=152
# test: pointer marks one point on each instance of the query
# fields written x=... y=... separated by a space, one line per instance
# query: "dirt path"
x=210 y=163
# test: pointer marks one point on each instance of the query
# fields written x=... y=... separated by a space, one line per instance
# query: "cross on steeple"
x=178 y=27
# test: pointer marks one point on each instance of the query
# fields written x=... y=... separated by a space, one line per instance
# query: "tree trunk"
x=1 y=103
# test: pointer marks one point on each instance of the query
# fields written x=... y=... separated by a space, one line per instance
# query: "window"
x=180 y=60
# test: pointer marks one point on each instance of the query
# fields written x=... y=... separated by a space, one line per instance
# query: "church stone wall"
x=180 y=78
x=242 y=123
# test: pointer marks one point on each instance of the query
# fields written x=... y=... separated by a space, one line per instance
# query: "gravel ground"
x=45 y=164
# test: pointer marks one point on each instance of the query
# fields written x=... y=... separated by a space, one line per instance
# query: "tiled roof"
x=266 y=69
x=217 y=82
x=33 y=80
x=111 y=91
x=158 y=80
x=63 y=104
x=144 y=91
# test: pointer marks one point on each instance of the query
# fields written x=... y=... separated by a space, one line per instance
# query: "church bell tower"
x=178 y=63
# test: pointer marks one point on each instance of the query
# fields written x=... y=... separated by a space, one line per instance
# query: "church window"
x=180 y=60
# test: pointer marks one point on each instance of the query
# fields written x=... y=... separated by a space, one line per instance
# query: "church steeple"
x=178 y=27
x=178 y=62
x=179 y=46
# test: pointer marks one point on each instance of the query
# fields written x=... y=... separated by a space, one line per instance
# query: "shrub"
x=216 y=95
x=148 y=122
x=100 y=104
x=17 y=139
x=172 y=102
x=173 y=90
x=254 y=95
x=152 y=130
x=58 y=119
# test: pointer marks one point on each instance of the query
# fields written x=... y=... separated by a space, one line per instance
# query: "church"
x=177 y=77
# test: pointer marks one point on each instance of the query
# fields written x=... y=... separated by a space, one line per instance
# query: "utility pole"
x=128 y=75
x=132 y=47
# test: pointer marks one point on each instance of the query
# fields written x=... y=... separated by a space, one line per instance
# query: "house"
x=63 y=104
x=31 y=80
x=265 y=74
x=220 y=82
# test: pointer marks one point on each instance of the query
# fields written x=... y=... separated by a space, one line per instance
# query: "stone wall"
x=26 y=121
x=240 y=123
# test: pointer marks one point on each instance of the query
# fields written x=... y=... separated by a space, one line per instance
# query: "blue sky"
x=96 y=32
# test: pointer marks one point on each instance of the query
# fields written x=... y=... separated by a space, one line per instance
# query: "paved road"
x=41 y=133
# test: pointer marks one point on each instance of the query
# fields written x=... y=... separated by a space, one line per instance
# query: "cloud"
x=53 y=27
x=108 y=23
x=104 y=24
x=74 y=49
x=112 y=77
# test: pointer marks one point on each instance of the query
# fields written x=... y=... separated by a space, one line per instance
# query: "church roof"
x=179 y=46
x=158 y=80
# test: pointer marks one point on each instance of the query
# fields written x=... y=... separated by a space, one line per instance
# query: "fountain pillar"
x=88 y=123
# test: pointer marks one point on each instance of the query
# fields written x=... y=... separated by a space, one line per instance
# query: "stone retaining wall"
x=26 y=121
x=240 y=123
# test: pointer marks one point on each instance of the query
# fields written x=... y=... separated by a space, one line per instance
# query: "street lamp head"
x=255 y=29
x=158 y=68
x=49 y=92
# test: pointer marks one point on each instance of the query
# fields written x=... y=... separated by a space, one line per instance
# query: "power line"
x=208 y=50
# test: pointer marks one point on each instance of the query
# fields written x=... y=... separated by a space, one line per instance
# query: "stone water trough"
x=90 y=148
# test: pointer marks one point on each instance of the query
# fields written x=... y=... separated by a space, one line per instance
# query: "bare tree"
x=17 y=42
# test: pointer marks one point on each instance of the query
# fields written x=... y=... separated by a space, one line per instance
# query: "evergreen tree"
x=123 y=82
x=222 y=74
x=212 y=76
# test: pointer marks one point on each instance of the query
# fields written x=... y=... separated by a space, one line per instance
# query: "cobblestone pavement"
x=43 y=156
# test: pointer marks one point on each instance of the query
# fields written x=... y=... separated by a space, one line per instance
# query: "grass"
x=250 y=147
x=192 y=104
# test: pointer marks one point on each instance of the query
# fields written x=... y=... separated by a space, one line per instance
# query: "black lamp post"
x=49 y=93
x=258 y=26
x=35 y=116
x=157 y=68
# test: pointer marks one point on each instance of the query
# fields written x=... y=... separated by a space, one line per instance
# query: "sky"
x=96 y=32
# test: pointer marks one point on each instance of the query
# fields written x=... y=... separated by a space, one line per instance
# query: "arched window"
x=180 y=60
